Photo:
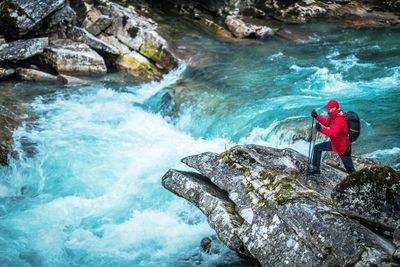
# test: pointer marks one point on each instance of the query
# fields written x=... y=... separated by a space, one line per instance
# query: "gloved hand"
x=314 y=114
x=318 y=127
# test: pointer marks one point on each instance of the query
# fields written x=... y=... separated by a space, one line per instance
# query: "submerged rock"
x=34 y=75
x=6 y=72
x=18 y=17
x=261 y=204
x=371 y=195
x=71 y=81
x=68 y=57
x=22 y=49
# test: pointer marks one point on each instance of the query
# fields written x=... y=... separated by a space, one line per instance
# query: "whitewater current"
x=88 y=191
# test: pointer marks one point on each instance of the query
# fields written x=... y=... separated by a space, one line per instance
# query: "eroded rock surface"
x=262 y=205
x=372 y=195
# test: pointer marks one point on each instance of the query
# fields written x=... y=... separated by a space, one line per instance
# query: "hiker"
x=337 y=130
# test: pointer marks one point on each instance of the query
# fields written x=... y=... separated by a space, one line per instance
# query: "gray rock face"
x=262 y=205
x=18 y=17
x=81 y=35
x=34 y=75
x=372 y=195
x=22 y=49
x=68 y=57
x=242 y=29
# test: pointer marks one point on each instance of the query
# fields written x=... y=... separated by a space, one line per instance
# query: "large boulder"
x=139 y=34
x=371 y=195
x=22 y=49
x=261 y=204
x=243 y=28
x=18 y=17
x=68 y=57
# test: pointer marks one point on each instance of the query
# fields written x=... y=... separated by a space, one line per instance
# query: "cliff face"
x=262 y=205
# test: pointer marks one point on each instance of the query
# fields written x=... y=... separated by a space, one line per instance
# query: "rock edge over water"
x=261 y=205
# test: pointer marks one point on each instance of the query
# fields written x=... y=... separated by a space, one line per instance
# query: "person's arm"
x=334 y=129
x=324 y=121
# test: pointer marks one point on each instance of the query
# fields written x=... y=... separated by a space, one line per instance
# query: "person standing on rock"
x=336 y=128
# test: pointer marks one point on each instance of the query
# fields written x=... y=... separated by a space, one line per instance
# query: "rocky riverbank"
x=55 y=41
x=261 y=205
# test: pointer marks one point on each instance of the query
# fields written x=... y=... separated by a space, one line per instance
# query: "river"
x=87 y=187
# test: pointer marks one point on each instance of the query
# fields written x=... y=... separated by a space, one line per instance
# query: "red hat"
x=332 y=104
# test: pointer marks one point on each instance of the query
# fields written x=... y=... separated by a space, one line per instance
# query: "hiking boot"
x=313 y=170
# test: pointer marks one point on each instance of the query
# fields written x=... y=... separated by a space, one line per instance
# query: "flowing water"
x=87 y=191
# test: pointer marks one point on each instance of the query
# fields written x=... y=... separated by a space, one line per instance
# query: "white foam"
x=147 y=90
x=395 y=151
x=98 y=171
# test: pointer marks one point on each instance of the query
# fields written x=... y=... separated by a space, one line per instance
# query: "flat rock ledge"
x=262 y=205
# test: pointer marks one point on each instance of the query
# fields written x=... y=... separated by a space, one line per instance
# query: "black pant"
x=326 y=146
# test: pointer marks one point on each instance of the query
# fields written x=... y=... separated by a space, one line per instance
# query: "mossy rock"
x=381 y=175
x=138 y=66
x=151 y=52
x=210 y=26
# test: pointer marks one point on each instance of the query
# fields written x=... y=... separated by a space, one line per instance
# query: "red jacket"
x=337 y=130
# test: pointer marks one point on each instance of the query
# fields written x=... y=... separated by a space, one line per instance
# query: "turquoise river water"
x=88 y=190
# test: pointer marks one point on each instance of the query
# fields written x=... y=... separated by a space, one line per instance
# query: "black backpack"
x=353 y=121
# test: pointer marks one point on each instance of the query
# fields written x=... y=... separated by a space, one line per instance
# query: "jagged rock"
x=6 y=72
x=34 y=75
x=18 y=17
x=261 y=204
x=71 y=81
x=301 y=12
x=139 y=34
x=68 y=57
x=81 y=7
x=97 y=24
x=83 y=36
x=371 y=195
x=245 y=29
x=57 y=22
x=138 y=66
x=22 y=49
x=332 y=159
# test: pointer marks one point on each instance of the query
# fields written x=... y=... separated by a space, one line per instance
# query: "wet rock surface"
x=262 y=205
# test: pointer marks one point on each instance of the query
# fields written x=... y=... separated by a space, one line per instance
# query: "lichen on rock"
x=284 y=216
